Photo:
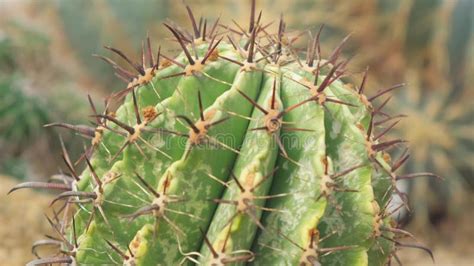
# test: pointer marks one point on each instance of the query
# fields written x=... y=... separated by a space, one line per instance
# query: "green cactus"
x=232 y=153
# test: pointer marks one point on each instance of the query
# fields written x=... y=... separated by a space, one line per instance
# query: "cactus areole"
x=241 y=150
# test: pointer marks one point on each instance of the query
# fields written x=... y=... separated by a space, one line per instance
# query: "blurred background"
x=46 y=72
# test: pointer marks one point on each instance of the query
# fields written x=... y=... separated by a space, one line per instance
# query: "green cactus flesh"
x=232 y=153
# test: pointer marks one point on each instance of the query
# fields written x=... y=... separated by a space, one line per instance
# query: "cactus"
x=236 y=151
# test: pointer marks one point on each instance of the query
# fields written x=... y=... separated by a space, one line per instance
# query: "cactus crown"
x=236 y=151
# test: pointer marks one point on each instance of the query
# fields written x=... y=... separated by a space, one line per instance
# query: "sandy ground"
x=452 y=243
x=22 y=222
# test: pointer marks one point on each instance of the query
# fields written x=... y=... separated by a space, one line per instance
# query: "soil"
x=22 y=222
x=452 y=242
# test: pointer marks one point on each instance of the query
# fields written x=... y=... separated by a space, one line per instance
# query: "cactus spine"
x=234 y=152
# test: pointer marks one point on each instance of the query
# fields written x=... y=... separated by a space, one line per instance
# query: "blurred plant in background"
x=440 y=133
x=21 y=116
x=89 y=25
x=28 y=100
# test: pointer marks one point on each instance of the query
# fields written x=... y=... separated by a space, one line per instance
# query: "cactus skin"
x=232 y=156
